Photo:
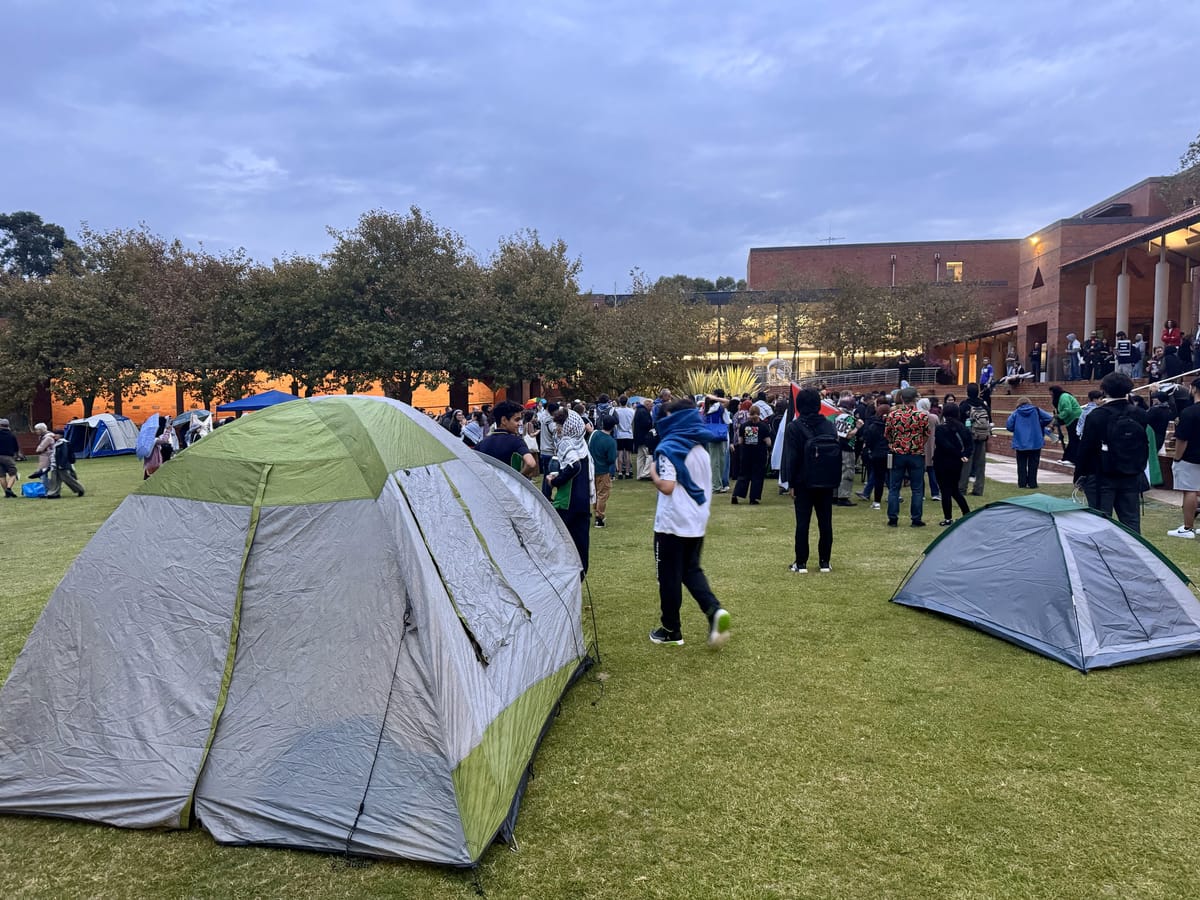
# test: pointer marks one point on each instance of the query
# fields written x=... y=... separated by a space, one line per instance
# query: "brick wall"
x=992 y=265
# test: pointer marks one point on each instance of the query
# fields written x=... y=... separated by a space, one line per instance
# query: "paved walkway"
x=1004 y=470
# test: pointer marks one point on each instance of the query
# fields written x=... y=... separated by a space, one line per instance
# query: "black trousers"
x=1121 y=494
x=948 y=475
x=677 y=563
x=808 y=501
x=580 y=527
x=880 y=469
x=1027 y=467
x=752 y=469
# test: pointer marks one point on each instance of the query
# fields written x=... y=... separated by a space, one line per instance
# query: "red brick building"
x=1122 y=264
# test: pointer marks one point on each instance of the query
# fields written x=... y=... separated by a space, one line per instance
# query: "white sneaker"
x=799 y=570
x=1182 y=532
x=874 y=506
x=826 y=569
x=718 y=628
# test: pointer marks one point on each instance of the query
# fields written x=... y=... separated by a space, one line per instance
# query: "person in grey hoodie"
x=1027 y=424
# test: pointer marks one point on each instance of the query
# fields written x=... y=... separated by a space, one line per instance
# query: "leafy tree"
x=926 y=314
x=1182 y=190
x=534 y=322
x=729 y=283
x=74 y=332
x=189 y=302
x=397 y=284
x=646 y=343
x=853 y=319
x=286 y=324
x=31 y=248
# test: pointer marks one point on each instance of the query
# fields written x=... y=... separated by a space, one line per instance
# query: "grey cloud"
x=671 y=136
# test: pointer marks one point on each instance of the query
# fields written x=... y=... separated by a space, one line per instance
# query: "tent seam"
x=231 y=652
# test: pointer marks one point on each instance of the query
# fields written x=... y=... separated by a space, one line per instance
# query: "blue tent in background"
x=258 y=401
x=101 y=435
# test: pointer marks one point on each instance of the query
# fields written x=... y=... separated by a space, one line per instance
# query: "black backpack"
x=64 y=456
x=822 y=458
x=1125 y=449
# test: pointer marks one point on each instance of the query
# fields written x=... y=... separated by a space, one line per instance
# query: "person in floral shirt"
x=907 y=430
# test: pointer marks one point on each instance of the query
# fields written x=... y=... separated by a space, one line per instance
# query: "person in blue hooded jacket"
x=682 y=475
x=1027 y=424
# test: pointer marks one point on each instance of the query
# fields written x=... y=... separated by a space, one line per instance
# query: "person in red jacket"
x=1171 y=335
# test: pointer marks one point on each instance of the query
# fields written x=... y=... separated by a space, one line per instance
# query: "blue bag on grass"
x=33 y=489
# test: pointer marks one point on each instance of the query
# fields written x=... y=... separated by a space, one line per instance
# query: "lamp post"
x=777 y=324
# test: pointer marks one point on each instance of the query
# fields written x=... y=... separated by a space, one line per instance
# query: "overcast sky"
x=669 y=136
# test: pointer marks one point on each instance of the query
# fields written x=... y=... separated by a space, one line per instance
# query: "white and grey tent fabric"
x=327 y=626
x=1058 y=579
x=103 y=434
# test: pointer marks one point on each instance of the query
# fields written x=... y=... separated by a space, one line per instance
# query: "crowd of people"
x=693 y=449
x=1094 y=358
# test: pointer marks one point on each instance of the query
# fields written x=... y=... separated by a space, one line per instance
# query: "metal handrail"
x=836 y=377
x=1155 y=384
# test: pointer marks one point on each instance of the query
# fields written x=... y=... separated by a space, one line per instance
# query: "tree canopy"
x=29 y=247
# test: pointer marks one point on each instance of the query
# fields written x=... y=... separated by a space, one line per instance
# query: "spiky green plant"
x=736 y=380
x=698 y=381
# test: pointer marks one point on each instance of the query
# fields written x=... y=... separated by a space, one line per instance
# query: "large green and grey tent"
x=1058 y=579
x=329 y=625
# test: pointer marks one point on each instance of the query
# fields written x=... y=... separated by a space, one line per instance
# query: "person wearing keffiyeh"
x=570 y=486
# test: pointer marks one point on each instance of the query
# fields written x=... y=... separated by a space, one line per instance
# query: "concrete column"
x=1089 y=307
x=1123 y=298
x=1162 y=282
x=1122 y=303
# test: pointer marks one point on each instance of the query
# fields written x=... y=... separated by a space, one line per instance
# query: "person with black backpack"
x=1113 y=452
x=813 y=464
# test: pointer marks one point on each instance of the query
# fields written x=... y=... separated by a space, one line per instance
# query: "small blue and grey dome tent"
x=1058 y=579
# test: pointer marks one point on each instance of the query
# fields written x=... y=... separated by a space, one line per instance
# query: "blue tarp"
x=258 y=401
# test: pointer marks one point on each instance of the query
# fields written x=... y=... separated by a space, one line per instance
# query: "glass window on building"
x=954 y=271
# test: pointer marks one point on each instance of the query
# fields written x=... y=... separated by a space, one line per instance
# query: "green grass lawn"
x=840 y=746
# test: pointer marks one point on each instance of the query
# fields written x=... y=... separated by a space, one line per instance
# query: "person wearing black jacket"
x=1107 y=490
x=807 y=499
x=978 y=463
x=1159 y=416
x=643 y=438
x=9 y=450
x=952 y=448
x=1172 y=364
x=875 y=453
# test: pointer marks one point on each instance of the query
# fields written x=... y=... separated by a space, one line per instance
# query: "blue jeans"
x=1074 y=359
x=912 y=467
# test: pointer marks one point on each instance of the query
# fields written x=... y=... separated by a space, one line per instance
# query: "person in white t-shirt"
x=624 y=436
x=682 y=474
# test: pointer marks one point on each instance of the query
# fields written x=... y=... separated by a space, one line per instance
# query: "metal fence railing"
x=851 y=377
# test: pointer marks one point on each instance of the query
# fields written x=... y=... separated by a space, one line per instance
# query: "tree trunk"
x=399 y=390
x=89 y=402
x=460 y=391
x=178 y=398
x=118 y=404
x=515 y=392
